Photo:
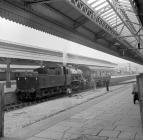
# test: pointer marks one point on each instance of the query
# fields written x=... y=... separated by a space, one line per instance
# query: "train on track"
x=57 y=79
x=53 y=78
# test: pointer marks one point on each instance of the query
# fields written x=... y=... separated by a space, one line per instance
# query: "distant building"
x=128 y=68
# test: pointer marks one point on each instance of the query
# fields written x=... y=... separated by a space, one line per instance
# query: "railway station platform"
x=109 y=117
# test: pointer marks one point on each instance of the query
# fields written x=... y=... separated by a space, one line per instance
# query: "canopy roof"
x=111 y=26
x=122 y=17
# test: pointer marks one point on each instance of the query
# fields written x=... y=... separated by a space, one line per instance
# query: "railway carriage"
x=95 y=77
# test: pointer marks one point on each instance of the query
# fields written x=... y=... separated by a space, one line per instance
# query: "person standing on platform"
x=135 y=93
x=107 y=84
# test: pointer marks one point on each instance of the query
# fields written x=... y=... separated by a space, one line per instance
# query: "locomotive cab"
x=26 y=83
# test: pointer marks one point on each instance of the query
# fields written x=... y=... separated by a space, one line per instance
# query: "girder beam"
x=121 y=30
x=99 y=35
x=121 y=14
x=84 y=9
x=40 y=1
x=80 y=21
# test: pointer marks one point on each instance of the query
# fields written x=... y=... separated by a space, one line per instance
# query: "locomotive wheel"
x=19 y=96
x=33 y=96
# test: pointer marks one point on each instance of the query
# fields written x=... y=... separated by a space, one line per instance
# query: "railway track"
x=19 y=105
x=15 y=106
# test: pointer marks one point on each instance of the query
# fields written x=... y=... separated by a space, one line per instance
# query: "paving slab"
x=128 y=129
x=127 y=135
x=36 y=138
x=118 y=139
x=109 y=133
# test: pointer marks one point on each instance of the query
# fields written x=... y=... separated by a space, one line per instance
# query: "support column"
x=8 y=80
x=1 y=110
x=140 y=90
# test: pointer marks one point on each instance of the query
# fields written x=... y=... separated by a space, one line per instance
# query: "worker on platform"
x=135 y=93
x=107 y=84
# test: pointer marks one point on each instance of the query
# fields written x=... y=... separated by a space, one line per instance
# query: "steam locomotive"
x=53 y=79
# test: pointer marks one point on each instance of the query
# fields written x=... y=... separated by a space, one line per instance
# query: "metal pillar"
x=1 y=110
x=8 y=80
x=140 y=89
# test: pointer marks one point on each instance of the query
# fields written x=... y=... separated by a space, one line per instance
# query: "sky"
x=13 y=32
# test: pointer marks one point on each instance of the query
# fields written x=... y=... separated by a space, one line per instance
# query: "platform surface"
x=114 y=117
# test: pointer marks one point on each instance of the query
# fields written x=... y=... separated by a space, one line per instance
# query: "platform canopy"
x=19 y=54
x=111 y=26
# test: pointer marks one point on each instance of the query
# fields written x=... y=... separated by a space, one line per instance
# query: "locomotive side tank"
x=45 y=81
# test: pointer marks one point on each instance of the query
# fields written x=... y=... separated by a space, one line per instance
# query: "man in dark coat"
x=107 y=84
x=135 y=93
